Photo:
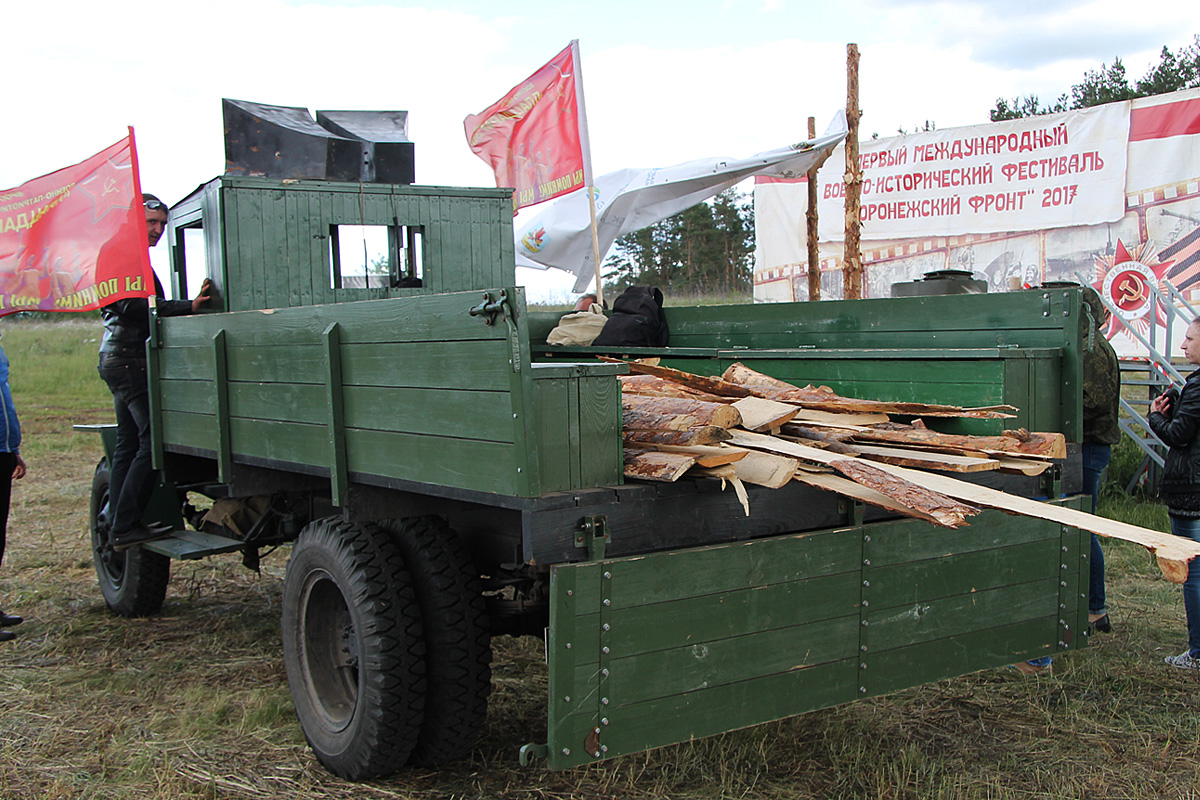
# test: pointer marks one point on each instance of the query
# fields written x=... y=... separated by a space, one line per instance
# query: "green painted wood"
x=702 y=713
x=463 y=463
x=196 y=397
x=930 y=619
x=452 y=365
x=423 y=318
x=695 y=667
x=901 y=541
x=907 y=584
x=685 y=573
x=971 y=651
x=433 y=412
x=339 y=482
x=221 y=400
x=553 y=432
x=733 y=613
x=599 y=417
x=180 y=428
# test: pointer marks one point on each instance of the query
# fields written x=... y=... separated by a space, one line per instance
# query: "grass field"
x=194 y=703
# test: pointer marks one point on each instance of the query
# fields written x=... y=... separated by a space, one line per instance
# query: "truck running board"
x=191 y=545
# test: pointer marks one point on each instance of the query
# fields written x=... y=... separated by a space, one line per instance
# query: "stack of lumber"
x=749 y=428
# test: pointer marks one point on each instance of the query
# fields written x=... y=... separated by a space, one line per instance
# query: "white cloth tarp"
x=629 y=199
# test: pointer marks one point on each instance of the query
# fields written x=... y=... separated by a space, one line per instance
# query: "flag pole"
x=586 y=146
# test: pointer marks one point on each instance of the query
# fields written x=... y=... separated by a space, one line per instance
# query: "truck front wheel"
x=134 y=581
x=353 y=648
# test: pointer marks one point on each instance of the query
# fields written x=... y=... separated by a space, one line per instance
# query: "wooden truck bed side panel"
x=650 y=650
x=410 y=388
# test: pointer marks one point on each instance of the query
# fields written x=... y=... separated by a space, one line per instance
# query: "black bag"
x=637 y=320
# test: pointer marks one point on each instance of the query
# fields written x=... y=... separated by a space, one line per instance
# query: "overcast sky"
x=664 y=82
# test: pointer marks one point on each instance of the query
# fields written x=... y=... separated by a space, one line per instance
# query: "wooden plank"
x=926 y=459
x=706 y=455
x=918 y=582
x=1172 y=552
x=765 y=469
x=940 y=618
x=653 y=465
x=839 y=419
x=910 y=492
x=760 y=414
x=848 y=488
x=732 y=612
x=902 y=667
x=717 y=662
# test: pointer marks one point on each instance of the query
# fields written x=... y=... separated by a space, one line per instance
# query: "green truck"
x=442 y=476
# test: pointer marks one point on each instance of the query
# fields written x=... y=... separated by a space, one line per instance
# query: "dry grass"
x=194 y=703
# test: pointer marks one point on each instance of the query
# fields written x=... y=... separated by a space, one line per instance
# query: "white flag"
x=630 y=199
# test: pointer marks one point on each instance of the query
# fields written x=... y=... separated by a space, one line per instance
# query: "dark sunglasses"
x=156 y=205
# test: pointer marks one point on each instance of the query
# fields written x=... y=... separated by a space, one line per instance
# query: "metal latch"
x=491 y=307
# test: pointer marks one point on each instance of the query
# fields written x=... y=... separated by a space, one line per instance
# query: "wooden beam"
x=761 y=414
x=652 y=465
x=810 y=218
x=709 y=434
x=1173 y=552
x=852 y=269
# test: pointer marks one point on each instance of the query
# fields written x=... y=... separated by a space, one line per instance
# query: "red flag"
x=535 y=137
x=75 y=239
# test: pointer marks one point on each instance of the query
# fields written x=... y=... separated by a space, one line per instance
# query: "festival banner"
x=1042 y=172
x=535 y=137
x=75 y=239
x=1153 y=244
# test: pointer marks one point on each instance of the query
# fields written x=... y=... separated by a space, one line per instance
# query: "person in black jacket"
x=123 y=368
x=1175 y=417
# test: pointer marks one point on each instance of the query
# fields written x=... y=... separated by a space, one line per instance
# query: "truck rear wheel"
x=458 y=650
x=134 y=581
x=353 y=649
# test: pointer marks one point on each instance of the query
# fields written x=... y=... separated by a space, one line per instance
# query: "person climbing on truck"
x=123 y=367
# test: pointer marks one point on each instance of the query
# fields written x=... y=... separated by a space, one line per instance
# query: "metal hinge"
x=592 y=535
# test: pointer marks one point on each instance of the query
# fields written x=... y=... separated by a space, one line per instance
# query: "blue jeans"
x=131 y=474
x=1095 y=459
x=1190 y=527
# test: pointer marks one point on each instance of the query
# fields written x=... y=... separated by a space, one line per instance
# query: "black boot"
x=10 y=620
x=7 y=636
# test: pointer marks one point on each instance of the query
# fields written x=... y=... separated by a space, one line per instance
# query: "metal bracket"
x=531 y=751
x=592 y=535
x=491 y=306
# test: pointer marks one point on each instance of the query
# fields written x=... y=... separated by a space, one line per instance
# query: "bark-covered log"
x=823 y=398
x=662 y=387
x=641 y=412
x=705 y=434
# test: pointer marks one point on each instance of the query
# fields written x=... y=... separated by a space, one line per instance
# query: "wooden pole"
x=852 y=270
x=814 y=253
x=591 y=190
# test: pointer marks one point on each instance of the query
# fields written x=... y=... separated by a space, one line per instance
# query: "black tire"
x=353 y=649
x=134 y=581
x=458 y=650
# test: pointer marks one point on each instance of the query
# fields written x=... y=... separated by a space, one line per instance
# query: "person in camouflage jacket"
x=1101 y=400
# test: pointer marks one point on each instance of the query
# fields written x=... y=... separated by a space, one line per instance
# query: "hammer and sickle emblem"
x=1132 y=289
x=110 y=185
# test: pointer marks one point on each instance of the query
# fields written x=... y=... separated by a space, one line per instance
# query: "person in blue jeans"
x=1175 y=417
x=12 y=467
x=1101 y=430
